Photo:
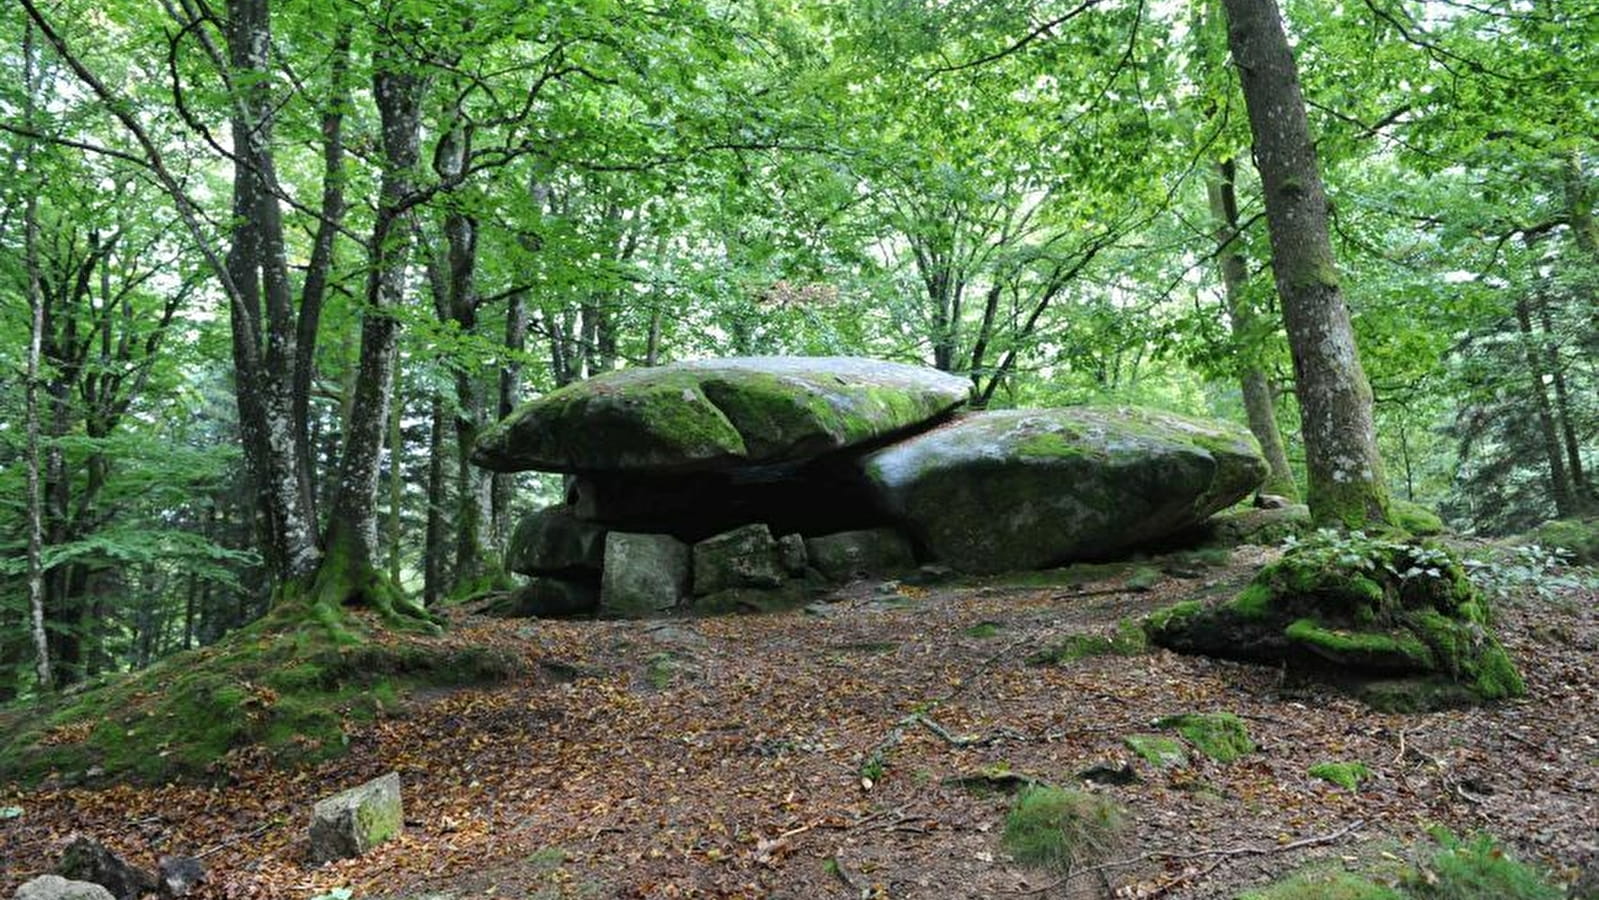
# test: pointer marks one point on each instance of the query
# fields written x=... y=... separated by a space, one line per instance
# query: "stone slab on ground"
x=644 y=574
x=352 y=822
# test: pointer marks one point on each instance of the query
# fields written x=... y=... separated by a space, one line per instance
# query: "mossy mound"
x=1220 y=736
x=1578 y=537
x=1347 y=775
x=1415 y=519
x=1128 y=640
x=1350 y=606
x=288 y=693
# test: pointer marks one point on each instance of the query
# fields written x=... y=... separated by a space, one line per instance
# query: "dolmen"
x=738 y=483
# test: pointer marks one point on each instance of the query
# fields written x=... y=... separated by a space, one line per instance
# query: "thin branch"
x=1026 y=39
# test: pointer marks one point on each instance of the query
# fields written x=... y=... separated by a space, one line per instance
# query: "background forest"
x=229 y=232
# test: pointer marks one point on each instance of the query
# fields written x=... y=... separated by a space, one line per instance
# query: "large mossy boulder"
x=1031 y=488
x=1356 y=609
x=716 y=414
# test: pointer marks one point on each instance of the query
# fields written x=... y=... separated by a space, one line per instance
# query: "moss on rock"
x=1221 y=736
x=1350 y=606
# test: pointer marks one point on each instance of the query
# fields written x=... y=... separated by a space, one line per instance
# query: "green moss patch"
x=1158 y=750
x=1062 y=830
x=1127 y=640
x=1353 y=607
x=1347 y=775
x=1444 y=868
x=1324 y=883
x=1220 y=736
x=289 y=693
x=984 y=630
x=1415 y=519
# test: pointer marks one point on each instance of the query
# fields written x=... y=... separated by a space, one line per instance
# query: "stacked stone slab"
x=703 y=484
x=692 y=484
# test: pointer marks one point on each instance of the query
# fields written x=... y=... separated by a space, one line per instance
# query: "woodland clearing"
x=863 y=748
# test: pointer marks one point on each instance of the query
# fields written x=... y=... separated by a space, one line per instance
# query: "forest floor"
x=734 y=757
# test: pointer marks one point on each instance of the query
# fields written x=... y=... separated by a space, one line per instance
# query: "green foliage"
x=1221 y=736
x=1477 y=868
x=1576 y=539
x=1347 y=775
x=1062 y=830
x=1527 y=572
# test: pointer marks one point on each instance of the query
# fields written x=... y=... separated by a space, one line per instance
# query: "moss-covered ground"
x=294 y=694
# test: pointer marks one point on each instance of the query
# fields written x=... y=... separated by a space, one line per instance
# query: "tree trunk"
x=319 y=268
x=350 y=571
x=1345 y=471
x=474 y=486
x=1559 y=483
x=396 y=473
x=435 y=542
x=1259 y=407
x=261 y=312
x=1581 y=491
x=509 y=396
x=35 y=498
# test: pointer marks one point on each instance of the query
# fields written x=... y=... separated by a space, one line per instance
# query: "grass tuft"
x=1062 y=830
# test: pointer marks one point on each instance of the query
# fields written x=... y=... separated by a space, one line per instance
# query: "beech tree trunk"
x=1344 y=469
x=459 y=304
x=1259 y=407
x=510 y=391
x=353 y=525
x=35 y=499
x=261 y=307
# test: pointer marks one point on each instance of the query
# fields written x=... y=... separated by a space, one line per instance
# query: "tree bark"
x=35 y=498
x=435 y=541
x=1559 y=481
x=261 y=315
x=1581 y=491
x=1344 y=469
x=509 y=395
x=319 y=269
x=352 y=542
x=474 y=486
x=1259 y=407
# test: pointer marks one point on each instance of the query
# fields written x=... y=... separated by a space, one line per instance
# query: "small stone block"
x=353 y=822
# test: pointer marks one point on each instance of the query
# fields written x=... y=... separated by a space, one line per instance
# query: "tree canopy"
x=269 y=265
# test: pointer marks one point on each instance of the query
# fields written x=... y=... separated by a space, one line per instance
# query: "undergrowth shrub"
x=1476 y=869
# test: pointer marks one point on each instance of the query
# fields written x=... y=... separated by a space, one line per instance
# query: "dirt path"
x=815 y=754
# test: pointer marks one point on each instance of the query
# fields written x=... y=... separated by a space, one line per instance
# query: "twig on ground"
x=237 y=838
